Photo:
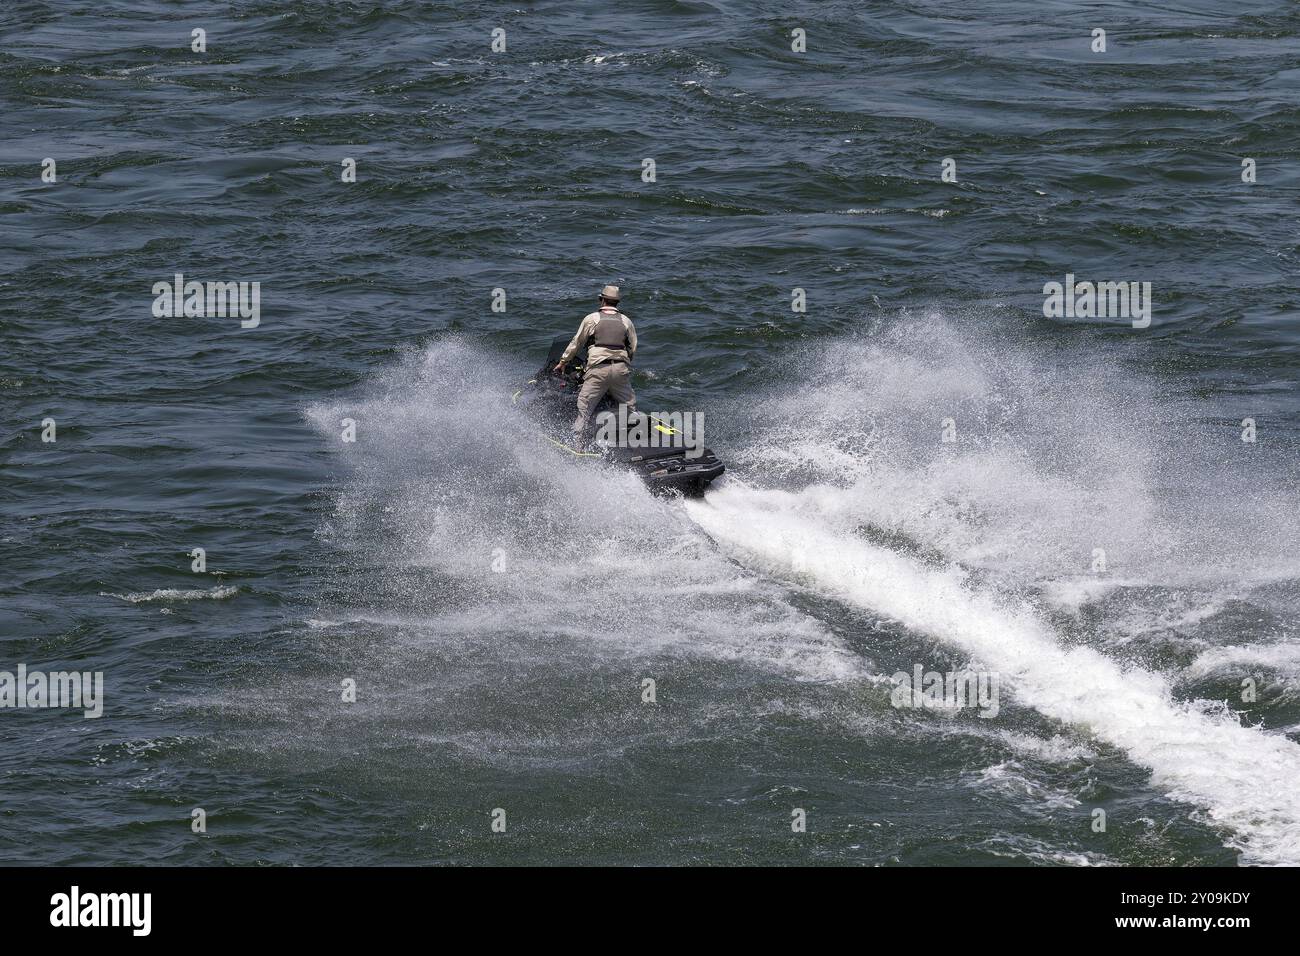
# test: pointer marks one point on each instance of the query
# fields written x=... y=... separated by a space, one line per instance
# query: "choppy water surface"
x=500 y=607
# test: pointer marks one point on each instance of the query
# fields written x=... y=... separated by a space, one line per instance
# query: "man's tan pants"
x=612 y=377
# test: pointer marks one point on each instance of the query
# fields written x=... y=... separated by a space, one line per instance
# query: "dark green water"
x=499 y=607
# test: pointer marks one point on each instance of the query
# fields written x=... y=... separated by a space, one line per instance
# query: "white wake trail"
x=1245 y=779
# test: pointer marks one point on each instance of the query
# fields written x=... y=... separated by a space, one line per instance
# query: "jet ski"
x=664 y=455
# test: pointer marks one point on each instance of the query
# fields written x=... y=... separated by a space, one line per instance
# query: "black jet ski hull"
x=670 y=469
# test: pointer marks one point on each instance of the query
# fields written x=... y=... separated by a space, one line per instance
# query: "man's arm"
x=574 y=343
x=631 y=338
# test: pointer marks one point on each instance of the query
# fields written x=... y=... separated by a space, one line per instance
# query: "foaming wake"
x=1245 y=778
x=459 y=518
x=1022 y=460
x=1050 y=461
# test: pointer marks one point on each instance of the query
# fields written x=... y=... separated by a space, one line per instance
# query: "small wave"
x=1037 y=851
x=1055 y=749
x=1076 y=594
x=882 y=211
x=1282 y=658
x=175 y=594
x=1011 y=778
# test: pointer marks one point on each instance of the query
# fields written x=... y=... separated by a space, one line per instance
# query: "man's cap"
x=610 y=292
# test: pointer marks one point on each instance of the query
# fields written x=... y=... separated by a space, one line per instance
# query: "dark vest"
x=610 y=332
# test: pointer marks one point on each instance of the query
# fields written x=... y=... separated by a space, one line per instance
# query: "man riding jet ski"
x=610 y=338
x=592 y=375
